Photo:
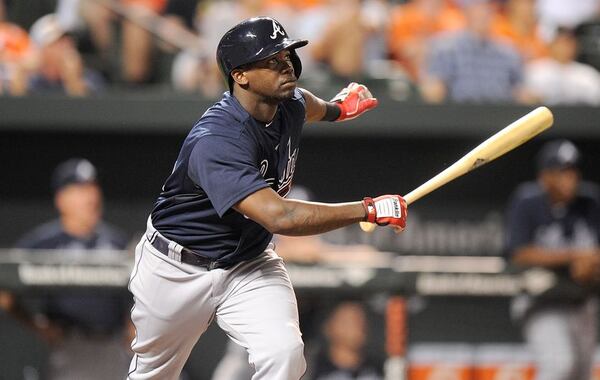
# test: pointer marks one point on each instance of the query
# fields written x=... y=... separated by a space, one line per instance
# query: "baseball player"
x=207 y=252
x=80 y=326
x=554 y=223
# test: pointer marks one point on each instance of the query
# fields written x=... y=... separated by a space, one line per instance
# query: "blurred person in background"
x=345 y=44
x=136 y=46
x=413 y=24
x=59 y=67
x=559 y=79
x=554 y=224
x=471 y=66
x=567 y=14
x=517 y=23
x=85 y=330
x=16 y=58
x=588 y=37
x=344 y=355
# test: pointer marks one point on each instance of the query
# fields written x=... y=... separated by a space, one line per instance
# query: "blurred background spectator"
x=59 y=66
x=416 y=49
x=412 y=26
x=136 y=44
x=87 y=332
x=559 y=79
x=16 y=58
x=558 y=13
x=343 y=45
x=517 y=24
x=343 y=355
x=588 y=37
x=470 y=66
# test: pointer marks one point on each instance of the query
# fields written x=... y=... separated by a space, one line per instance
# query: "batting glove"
x=353 y=101
x=386 y=210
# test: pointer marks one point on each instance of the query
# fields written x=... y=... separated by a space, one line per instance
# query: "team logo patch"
x=277 y=29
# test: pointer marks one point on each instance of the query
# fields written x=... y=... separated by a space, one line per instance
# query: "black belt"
x=187 y=256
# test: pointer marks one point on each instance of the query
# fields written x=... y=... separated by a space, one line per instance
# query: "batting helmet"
x=253 y=40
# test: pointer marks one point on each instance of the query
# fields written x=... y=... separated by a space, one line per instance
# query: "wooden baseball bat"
x=502 y=142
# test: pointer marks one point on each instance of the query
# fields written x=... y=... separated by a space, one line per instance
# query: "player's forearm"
x=297 y=218
x=541 y=257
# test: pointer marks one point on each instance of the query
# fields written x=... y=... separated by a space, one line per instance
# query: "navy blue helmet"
x=253 y=40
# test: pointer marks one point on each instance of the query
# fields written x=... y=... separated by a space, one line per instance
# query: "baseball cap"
x=74 y=170
x=558 y=154
x=46 y=30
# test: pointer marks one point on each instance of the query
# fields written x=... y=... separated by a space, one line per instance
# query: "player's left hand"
x=353 y=101
x=387 y=210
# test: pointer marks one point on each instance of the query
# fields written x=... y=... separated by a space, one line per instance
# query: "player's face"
x=561 y=184
x=273 y=78
x=81 y=203
x=347 y=326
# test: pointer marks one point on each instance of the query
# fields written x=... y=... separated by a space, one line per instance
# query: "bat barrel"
x=500 y=143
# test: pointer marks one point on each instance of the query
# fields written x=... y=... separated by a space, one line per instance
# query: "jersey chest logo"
x=283 y=183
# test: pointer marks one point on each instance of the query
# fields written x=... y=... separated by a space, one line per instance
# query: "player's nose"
x=288 y=67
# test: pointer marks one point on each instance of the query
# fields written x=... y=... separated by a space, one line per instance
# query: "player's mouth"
x=289 y=83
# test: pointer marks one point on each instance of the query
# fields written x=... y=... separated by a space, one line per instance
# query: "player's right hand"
x=386 y=210
x=585 y=268
x=354 y=100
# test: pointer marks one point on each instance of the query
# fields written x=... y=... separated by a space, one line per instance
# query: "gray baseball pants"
x=253 y=302
x=563 y=340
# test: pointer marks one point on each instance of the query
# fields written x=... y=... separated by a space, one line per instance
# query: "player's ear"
x=239 y=76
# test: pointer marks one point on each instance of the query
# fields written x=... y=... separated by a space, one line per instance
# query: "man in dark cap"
x=78 y=199
x=554 y=224
x=83 y=329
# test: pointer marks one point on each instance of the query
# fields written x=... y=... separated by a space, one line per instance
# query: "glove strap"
x=371 y=211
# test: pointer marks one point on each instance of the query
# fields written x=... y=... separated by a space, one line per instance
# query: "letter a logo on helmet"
x=276 y=29
x=253 y=40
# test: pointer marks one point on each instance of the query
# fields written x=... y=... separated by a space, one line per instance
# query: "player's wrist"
x=333 y=111
x=370 y=210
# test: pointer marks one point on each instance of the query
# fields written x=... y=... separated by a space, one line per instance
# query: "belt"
x=185 y=256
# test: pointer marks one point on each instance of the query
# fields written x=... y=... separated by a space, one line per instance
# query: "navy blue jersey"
x=227 y=156
x=88 y=311
x=51 y=235
x=532 y=221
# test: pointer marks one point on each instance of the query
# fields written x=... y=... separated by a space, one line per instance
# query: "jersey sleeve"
x=299 y=96
x=225 y=168
x=519 y=226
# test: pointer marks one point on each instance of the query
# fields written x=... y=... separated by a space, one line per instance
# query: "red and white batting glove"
x=386 y=210
x=353 y=101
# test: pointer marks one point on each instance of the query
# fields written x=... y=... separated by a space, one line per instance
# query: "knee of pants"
x=289 y=355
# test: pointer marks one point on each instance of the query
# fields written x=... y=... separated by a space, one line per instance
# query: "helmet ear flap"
x=296 y=63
